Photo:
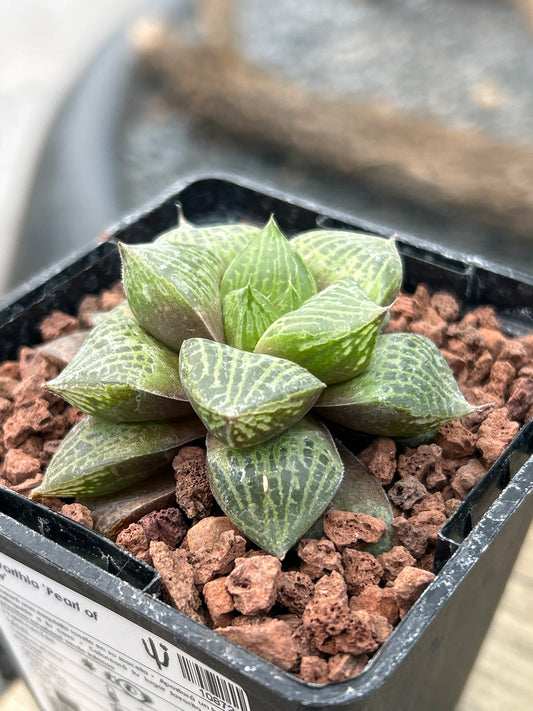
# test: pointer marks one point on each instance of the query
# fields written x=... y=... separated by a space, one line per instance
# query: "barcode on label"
x=213 y=684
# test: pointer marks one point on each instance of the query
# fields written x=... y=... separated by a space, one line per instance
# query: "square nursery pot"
x=84 y=619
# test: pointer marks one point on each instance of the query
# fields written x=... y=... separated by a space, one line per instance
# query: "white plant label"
x=80 y=656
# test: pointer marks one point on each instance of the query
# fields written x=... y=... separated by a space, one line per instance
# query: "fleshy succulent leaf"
x=332 y=334
x=97 y=457
x=247 y=314
x=270 y=266
x=173 y=293
x=289 y=299
x=123 y=374
x=359 y=492
x=373 y=262
x=112 y=513
x=274 y=491
x=61 y=350
x=225 y=241
x=408 y=388
x=244 y=398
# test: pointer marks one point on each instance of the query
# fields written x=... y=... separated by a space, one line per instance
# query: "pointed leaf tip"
x=98 y=457
x=173 y=293
x=244 y=398
x=278 y=279
x=123 y=374
x=247 y=314
x=275 y=490
x=332 y=334
x=407 y=389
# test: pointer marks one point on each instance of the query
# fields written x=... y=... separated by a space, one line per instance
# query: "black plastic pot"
x=84 y=618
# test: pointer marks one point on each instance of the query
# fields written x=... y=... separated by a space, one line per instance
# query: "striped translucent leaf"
x=244 y=398
x=332 y=334
x=269 y=266
x=372 y=261
x=123 y=374
x=274 y=491
x=226 y=241
x=289 y=299
x=359 y=492
x=249 y=313
x=172 y=292
x=97 y=457
x=407 y=389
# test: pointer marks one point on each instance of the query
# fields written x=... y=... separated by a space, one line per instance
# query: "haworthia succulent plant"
x=332 y=334
x=407 y=389
x=173 y=293
x=123 y=374
x=98 y=457
x=272 y=469
x=273 y=274
x=359 y=492
x=226 y=241
x=274 y=492
x=373 y=262
x=244 y=398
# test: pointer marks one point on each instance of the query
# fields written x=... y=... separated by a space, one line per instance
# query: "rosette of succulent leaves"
x=236 y=333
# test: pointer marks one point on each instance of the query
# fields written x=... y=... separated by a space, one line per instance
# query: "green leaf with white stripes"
x=249 y=313
x=123 y=374
x=332 y=334
x=407 y=389
x=244 y=398
x=226 y=241
x=98 y=457
x=274 y=491
x=269 y=267
x=373 y=262
x=172 y=292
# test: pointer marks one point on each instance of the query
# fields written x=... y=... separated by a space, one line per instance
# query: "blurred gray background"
x=44 y=47
x=417 y=114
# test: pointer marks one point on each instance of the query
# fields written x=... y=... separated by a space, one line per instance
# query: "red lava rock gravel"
x=79 y=513
x=393 y=562
x=193 y=493
x=318 y=557
x=352 y=530
x=380 y=458
x=254 y=584
x=135 y=540
x=377 y=601
x=325 y=610
x=360 y=569
x=494 y=434
x=57 y=324
x=219 y=602
x=177 y=578
x=166 y=525
x=409 y=585
x=271 y=639
x=295 y=591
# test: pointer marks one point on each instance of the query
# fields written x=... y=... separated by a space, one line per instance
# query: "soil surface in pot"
x=324 y=610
